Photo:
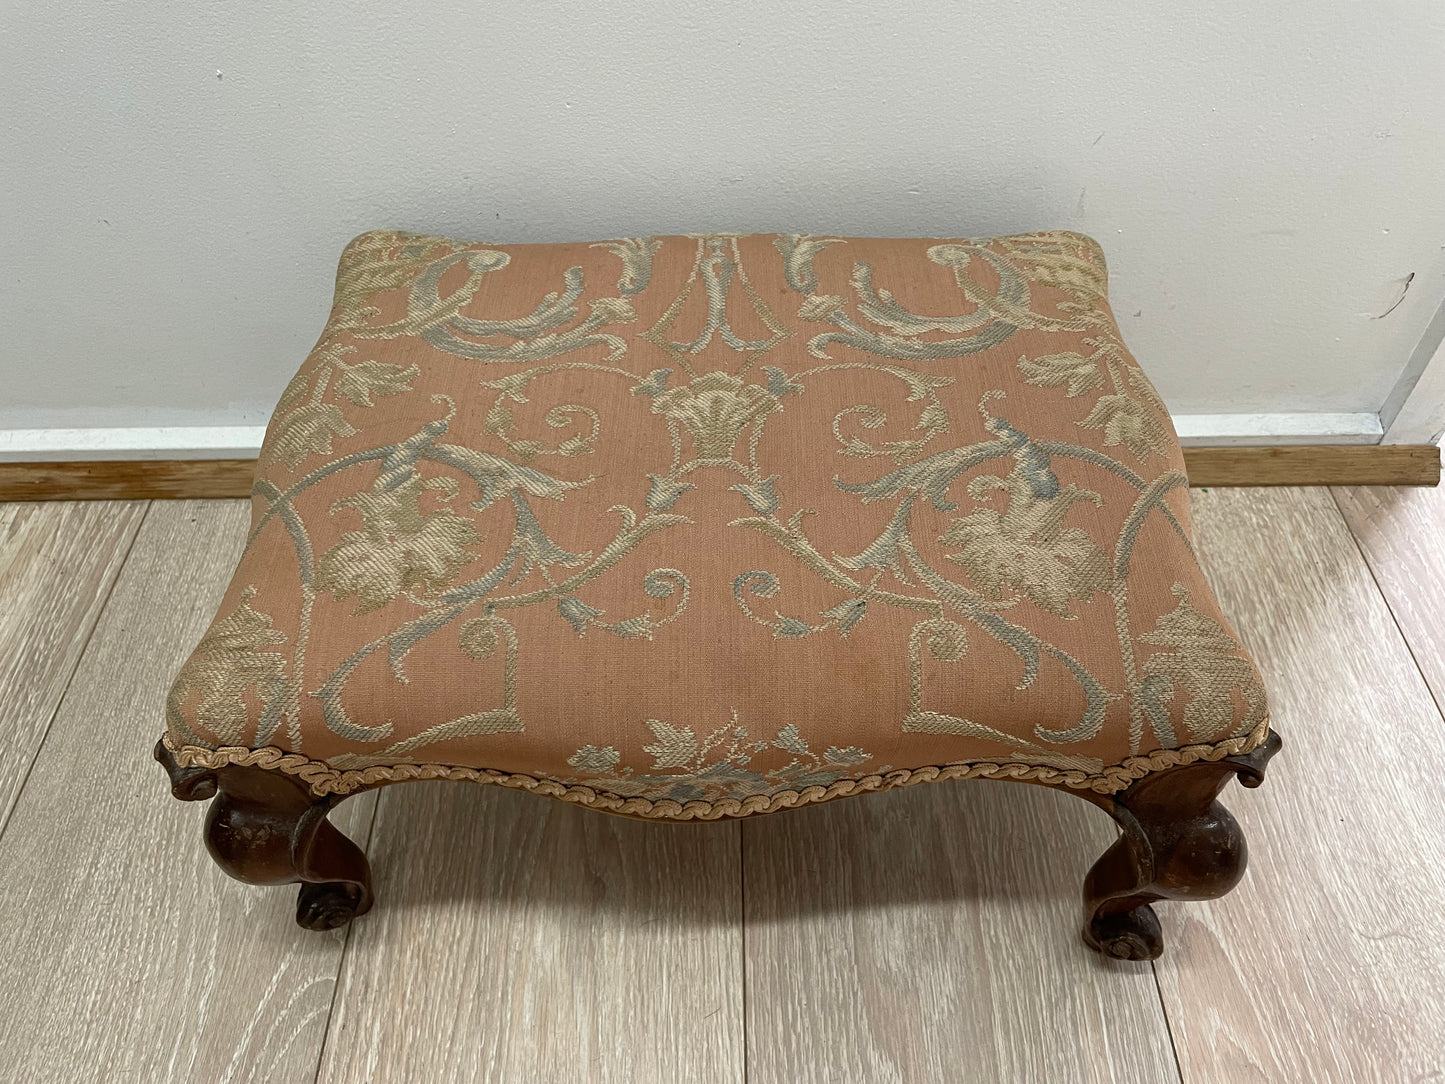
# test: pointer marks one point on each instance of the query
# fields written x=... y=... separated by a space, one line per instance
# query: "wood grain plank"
x=1402 y=534
x=521 y=939
x=135 y=957
x=1327 y=964
x=119 y=479
x=1313 y=465
x=57 y=565
x=932 y=934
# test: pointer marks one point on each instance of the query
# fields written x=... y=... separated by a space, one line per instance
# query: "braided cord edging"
x=324 y=779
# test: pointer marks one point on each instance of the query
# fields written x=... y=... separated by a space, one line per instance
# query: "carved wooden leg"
x=1177 y=843
x=267 y=828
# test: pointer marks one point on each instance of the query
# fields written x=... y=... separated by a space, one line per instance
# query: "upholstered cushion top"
x=705 y=525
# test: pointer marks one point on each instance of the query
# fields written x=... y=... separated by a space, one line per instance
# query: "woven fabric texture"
x=705 y=522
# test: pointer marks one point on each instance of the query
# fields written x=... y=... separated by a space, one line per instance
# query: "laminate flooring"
x=919 y=935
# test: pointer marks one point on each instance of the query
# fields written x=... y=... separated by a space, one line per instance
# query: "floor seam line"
x=70 y=678
x=1385 y=597
x=1168 y=1025
x=743 y=938
x=341 y=960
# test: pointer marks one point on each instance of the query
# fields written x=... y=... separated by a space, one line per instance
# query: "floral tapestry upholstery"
x=709 y=525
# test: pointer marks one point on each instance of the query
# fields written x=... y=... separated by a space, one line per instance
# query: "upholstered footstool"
x=686 y=528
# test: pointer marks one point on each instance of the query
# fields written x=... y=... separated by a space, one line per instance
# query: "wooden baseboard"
x=1315 y=465
x=162 y=479
x=126 y=479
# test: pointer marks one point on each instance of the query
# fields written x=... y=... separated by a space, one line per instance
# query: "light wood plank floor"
x=915 y=936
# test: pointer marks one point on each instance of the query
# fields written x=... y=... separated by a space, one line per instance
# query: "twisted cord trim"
x=324 y=780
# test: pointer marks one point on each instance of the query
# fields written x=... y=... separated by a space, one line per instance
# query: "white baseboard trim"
x=244 y=441
x=1223 y=430
x=162 y=442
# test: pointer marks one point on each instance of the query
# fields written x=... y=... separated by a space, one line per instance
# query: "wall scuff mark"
x=1403 y=286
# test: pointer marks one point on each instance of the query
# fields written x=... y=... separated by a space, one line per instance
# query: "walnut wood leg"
x=267 y=828
x=1176 y=843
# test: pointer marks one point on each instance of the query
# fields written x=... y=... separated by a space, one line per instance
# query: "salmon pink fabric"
x=697 y=519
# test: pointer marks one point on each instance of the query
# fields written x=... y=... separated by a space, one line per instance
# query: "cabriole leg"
x=1176 y=843
x=267 y=828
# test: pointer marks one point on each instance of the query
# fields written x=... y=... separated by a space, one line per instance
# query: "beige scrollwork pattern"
x=437 y=539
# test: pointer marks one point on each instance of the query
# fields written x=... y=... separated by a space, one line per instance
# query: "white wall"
x=177 y=178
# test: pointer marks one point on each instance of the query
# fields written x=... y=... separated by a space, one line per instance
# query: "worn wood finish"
x=930 y=934
x=1315 y=465
x=1176 y=842
x=1329 y=464
x=1328 y=963
x=122 y=479
x=128 y=955
x=524 y=939
x=1402 y=535
x=267 y=828
x=57 y=565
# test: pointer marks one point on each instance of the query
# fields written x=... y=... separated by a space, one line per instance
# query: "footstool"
x=687 y=528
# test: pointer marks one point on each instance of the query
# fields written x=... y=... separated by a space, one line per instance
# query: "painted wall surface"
x=177 y=178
